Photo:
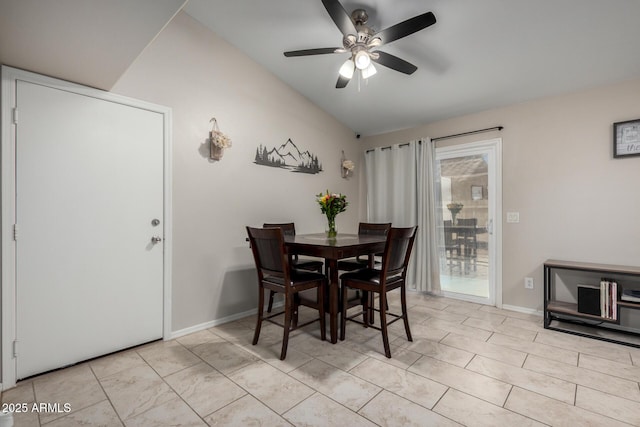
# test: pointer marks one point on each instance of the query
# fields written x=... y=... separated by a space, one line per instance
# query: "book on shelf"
x=609 y=292
x=603 y=298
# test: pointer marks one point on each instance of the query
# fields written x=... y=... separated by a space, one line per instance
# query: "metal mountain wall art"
x=288 y=156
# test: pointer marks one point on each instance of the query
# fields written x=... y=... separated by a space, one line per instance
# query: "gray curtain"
x=400 y=190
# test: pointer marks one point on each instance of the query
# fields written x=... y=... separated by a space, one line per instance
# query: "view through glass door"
x=466 y=188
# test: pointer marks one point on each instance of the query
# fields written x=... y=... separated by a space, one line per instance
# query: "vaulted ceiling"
x=479 y=55
x=92 y=42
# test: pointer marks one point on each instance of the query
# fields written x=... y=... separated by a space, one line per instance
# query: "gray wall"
x=576 y=201
x=198 y=75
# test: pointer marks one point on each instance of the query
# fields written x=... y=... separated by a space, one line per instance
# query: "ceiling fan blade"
x=306 y=52
x=394 y=62
x=407 y=27
x=340 y=17
x=342 y=81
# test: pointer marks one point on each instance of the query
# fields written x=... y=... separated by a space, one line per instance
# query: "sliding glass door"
x=468 y=192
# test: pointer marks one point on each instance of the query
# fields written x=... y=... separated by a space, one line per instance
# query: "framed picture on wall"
x=626 y=138
x=476 y=192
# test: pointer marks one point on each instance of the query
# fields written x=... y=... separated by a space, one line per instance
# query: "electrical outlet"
x=528 y=282
x=513 y=217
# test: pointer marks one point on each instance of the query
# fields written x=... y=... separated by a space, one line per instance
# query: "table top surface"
x=341 y=240
x=342 y=246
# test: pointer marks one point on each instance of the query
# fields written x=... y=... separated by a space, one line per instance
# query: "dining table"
x=333 y=249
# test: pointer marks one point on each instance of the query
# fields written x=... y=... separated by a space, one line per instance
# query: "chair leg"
x=367 y=308
x=288 y=314
x=403 y=301
x=256 y=334
x=271 y=294
x=383 y=325
x=296 y=310
x=343 y=312
x=320 y=298
x=366 y=319
x=372 y=314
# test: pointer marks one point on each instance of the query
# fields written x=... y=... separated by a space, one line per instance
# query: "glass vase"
x=454 y=214
x=331 y=231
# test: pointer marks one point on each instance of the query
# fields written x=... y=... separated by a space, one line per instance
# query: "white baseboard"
x=522 y=309
x=211 y=324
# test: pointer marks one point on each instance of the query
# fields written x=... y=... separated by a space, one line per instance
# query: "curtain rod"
x=467 y=133
x=440 y=138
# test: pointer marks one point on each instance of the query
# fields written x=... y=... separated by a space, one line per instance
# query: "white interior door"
x=89 y=185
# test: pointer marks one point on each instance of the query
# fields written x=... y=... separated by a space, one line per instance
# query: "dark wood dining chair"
x=392 y=275
x=276 y=274
x=469 y=240
x=289 y=229
x=364 y=229
x=452 y=247
x=362 y=261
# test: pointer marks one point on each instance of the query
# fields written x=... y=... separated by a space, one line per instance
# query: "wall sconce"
x=346 y=166
x=218 y=141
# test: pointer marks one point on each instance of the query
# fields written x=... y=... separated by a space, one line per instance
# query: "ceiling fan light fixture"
x=346 y=70
x=362 y=60
x=374 y=42
x=349 y=41
x=369 y=71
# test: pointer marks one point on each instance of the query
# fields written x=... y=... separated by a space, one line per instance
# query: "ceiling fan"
x=363 y=42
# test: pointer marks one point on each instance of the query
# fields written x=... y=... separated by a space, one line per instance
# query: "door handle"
x=156 y=239
x=490 y=226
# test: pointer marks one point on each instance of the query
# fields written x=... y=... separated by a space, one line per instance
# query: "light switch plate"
x=513 y=217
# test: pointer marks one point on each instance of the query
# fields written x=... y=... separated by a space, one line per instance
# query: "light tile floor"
x=468 y=365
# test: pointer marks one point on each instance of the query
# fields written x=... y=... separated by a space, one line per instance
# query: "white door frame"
x=8 y=197
x=495 y=207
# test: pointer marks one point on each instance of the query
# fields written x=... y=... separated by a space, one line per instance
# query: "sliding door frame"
x=494 y=147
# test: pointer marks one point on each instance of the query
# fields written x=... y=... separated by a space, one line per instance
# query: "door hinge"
x=15 y=348
x=15 y=232
x=15 y=116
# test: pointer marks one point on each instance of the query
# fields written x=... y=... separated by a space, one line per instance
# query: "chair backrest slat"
x=449 y=241
x=468 y=222
x=289 y=228
x=269 y=253
x=374 y=229
x=397 y=251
